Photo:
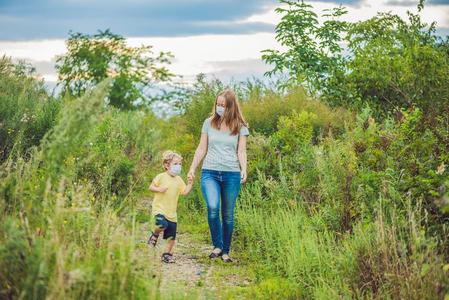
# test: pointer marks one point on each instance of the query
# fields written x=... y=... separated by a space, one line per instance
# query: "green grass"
x=347 y=208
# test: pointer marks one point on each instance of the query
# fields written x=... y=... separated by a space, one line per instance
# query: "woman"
x=223 y=142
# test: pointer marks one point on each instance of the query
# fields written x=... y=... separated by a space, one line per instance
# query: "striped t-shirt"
x=221 y=148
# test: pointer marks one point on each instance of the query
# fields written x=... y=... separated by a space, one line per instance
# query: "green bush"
x=294 y=132
x=62 y=235
x=336 y=216
x=390 y=62
x=27 y=113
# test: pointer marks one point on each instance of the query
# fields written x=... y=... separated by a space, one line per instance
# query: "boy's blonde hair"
x=168 y=156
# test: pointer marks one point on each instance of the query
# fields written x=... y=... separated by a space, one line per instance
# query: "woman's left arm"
x=241 y=153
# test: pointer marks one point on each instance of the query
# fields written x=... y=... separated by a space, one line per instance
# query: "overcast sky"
x=217 y=37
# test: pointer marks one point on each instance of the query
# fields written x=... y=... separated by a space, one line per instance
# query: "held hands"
x=190 y=176
x=243 y=176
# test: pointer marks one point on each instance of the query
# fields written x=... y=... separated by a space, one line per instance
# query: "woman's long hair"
x=232 y=117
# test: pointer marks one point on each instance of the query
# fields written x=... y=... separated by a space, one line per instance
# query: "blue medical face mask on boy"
x=220 y=110
x=175 y=169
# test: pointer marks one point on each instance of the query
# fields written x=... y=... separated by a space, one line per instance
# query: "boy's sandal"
x=168 y=258
x=226 y=258
x=153 y=239
x=216 y=253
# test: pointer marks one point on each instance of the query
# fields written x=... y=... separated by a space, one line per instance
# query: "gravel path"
x=193 y=275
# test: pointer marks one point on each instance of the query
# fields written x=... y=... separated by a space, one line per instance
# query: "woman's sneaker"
x=226 y=258
x=167 y=258
x=216 y=253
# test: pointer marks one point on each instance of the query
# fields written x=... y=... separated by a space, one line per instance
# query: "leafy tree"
x=92 y=58
x=399 y=63
x=386 y=61
x=313 y=52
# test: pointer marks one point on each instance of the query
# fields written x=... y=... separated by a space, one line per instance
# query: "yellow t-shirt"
x=166 y=203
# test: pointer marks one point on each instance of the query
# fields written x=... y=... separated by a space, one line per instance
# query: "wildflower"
x=441 y=168
x=24 y=118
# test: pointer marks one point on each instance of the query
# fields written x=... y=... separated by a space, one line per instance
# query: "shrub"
x=27 y=113
x=294 y=132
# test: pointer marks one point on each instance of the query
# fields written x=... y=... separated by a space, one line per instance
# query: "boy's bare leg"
x=154 y=237
x=157 y=231
x=170 y=244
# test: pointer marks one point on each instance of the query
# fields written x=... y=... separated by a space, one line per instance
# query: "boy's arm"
x=155 y=186
x=157 y=189
x=187 y=189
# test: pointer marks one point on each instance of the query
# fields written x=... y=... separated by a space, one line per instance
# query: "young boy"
x=167 y=187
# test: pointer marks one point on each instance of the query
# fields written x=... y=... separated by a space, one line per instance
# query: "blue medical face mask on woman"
x=175 y=169
x=220 y=110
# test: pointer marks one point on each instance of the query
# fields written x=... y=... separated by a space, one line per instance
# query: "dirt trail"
x=192 y=275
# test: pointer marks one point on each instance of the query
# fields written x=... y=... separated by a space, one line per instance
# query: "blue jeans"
x=220 y=188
